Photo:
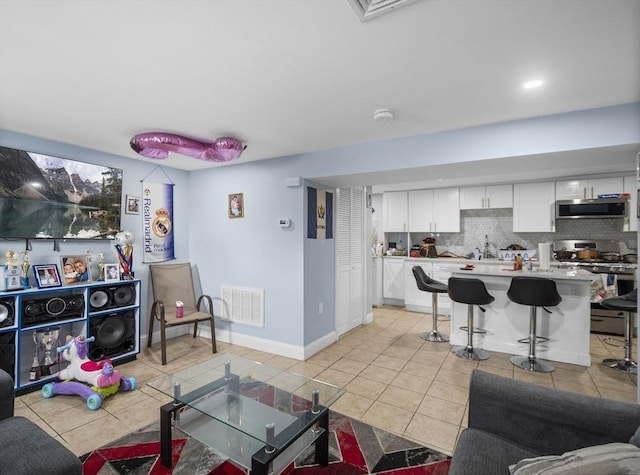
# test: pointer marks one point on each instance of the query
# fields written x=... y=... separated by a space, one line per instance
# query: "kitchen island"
x=505 y=322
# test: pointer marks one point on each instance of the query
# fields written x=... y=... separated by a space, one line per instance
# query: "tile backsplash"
x=497 y=224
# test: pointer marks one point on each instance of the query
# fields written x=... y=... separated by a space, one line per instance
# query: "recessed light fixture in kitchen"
x=533 y=84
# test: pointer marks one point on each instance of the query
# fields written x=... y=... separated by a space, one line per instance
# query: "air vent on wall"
x=243 y=305
x=368 y=9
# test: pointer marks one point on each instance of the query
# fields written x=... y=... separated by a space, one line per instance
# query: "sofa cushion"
x=27 y=450
x=608 y=459
x=635 y=438
x=481 y=453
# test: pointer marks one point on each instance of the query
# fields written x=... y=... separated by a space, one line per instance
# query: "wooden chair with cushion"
x=172 y=283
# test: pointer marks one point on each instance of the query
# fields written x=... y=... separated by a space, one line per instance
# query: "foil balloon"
x=159 y=144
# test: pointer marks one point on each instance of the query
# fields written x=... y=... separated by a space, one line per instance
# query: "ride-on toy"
x=94 y=380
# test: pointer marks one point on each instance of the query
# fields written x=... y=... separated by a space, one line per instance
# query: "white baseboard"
x=256 y=343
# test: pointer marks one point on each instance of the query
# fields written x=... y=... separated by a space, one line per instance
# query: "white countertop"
x=507 y=271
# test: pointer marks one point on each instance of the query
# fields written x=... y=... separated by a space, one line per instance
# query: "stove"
x=611 y=278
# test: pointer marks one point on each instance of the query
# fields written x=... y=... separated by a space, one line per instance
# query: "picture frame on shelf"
x=235 y=205
x=132 y=204
x=111 y=272
x=47 y=275
x=74 y=269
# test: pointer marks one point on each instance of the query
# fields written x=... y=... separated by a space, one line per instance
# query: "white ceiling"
x=292 y=76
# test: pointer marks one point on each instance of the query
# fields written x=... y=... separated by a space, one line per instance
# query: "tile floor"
x=395 y=381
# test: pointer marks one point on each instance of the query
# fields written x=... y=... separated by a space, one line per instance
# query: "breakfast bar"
x=567 y=326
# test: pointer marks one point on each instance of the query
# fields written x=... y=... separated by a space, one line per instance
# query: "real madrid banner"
x=157 y=222
x=320 y=214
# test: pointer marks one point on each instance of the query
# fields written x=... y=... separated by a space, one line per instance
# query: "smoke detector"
x=383 y=115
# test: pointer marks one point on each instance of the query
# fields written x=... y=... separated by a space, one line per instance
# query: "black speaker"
x=106 y=298
x=8 y=352
x=7 y=312
x=115 y=335
x=51 y=309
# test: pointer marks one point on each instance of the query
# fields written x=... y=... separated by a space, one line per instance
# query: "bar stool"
x=472 y=292
x=628 y=304
x=427 y=284
x=534 y=292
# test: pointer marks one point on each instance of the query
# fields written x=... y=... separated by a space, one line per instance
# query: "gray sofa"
x=24 y=447
x=511 y=420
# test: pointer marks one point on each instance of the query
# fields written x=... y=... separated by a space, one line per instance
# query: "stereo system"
x=52 y=309
x=115 y=335
x=7 y=312
x=106 y=298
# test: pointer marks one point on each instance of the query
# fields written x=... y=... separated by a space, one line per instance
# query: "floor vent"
x=243 y=305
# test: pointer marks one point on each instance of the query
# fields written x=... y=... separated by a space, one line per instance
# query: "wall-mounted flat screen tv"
x=44 y=197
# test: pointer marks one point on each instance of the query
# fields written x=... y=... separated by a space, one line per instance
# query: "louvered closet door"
x=349 y=259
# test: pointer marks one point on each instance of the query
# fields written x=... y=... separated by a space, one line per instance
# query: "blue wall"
x=297 y=273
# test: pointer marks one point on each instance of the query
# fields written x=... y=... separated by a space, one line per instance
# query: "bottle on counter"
x=529 y=264
x=515 y=262
x=519 y=262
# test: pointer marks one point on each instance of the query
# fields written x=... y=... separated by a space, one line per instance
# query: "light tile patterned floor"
x=395 y=381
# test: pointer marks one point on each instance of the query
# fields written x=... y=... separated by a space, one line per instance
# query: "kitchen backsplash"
x=497 y=224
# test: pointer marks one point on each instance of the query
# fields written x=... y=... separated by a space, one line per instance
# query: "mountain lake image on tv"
x=55 y=198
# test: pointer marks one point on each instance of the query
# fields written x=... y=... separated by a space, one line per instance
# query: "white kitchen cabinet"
x=587 y=189
x=395 y=211
x=393 y=278
x=486 y=197
x=534 y=207
x=434 y=210
x=630 y=186
x=416 y=300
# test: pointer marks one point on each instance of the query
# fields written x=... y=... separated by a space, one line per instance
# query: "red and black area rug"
x=355 y=448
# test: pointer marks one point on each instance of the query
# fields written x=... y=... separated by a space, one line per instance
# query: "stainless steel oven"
x=614 y=276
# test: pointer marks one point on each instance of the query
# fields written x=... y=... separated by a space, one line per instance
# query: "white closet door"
x=349 y=259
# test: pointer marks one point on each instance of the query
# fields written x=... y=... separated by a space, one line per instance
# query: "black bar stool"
x=534 y=292
x=427 y=284
x=628 y=304
x=472 y=292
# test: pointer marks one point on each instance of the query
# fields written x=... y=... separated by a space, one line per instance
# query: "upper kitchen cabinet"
x=587 y=189
x=486 y=197
x=533 y=207
x=394 y=211
x=631 y=186
x=434 y=210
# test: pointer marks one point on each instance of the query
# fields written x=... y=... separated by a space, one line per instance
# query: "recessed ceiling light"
x=533 y=84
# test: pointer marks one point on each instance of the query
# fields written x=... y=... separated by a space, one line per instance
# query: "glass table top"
x=266 y=403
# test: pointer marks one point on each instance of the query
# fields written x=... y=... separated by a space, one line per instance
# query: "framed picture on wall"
x=236 y=205
x=47 y=275
x=132 y=204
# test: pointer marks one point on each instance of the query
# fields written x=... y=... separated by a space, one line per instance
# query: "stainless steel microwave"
x=596 y=208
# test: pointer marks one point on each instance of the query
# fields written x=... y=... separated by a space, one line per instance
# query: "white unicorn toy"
x=100 y=374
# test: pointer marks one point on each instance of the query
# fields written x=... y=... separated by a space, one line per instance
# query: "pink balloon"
x=158 y=145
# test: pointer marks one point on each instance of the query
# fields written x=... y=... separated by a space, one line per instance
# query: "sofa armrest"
x=547 y=420
x=7 y=395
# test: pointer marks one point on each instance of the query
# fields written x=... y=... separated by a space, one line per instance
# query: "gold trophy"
x=12 y=274
x=25 y=269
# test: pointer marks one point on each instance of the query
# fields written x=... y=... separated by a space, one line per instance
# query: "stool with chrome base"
x=627 y=303
x=472 y=292
x=427 y=284
x=534 y=292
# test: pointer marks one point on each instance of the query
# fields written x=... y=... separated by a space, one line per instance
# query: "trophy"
x=101 y=266
x=89 y=261
x=12 y=274
x=46 y=355
x=25 y=269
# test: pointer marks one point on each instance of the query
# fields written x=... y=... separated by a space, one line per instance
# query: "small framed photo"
x=111 y=272
x=132 y=204
x=74 y=269
x=47 y=275
x=236 y=205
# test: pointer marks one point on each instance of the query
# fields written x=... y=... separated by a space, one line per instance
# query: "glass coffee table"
x=258 y=416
